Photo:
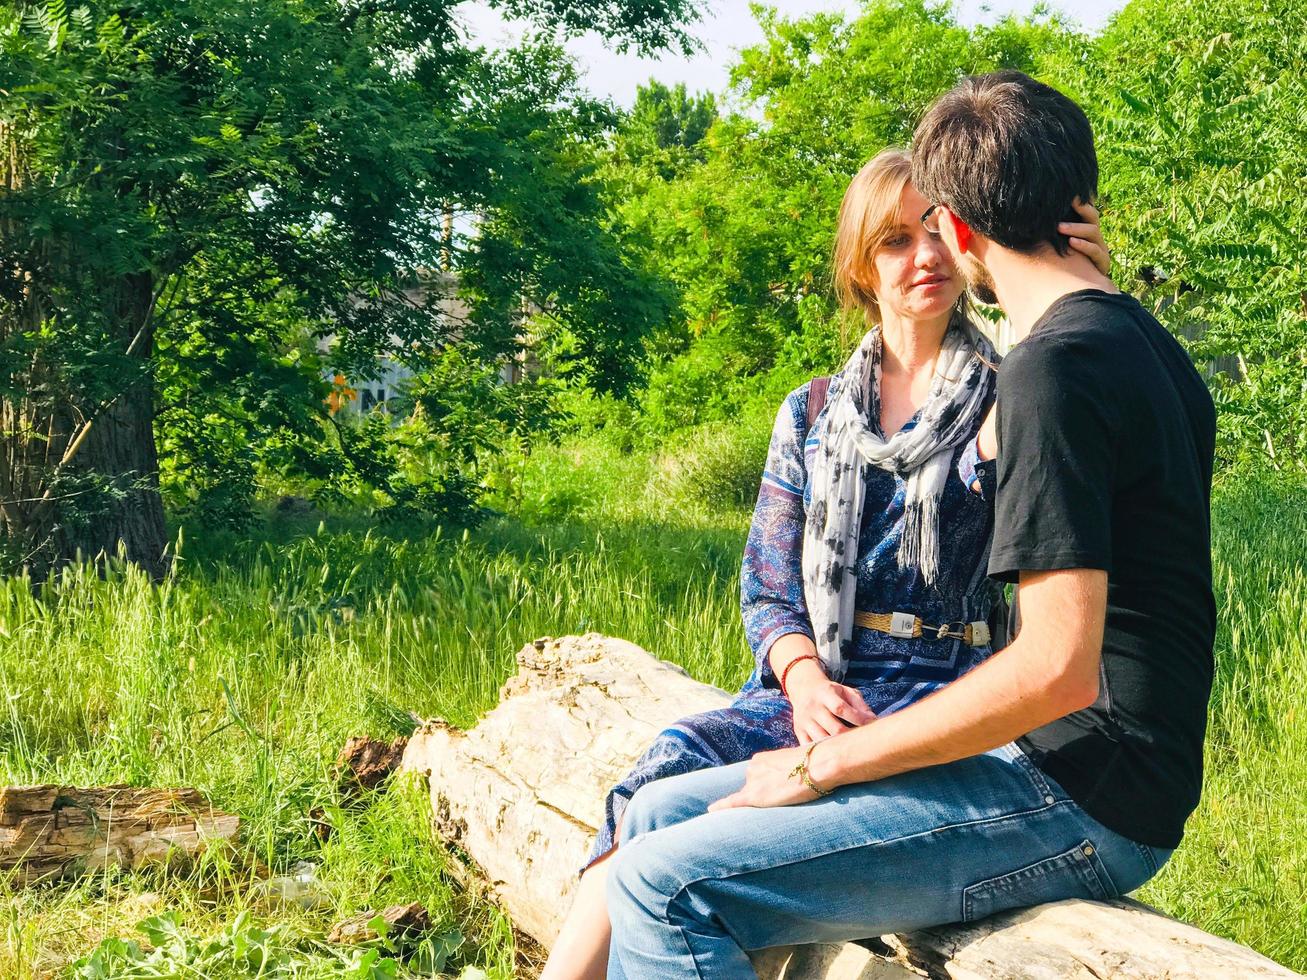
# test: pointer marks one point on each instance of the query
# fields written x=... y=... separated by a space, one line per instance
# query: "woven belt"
x=906 y=625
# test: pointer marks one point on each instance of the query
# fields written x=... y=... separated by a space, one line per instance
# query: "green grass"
x=245 y=672
x=1242 y=869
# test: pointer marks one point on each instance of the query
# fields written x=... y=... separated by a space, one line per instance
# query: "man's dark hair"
x=1007 y=155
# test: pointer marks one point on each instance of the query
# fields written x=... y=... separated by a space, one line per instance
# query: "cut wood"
x=364 y=764
x=520 y=797
x=405 y=925
x=49 y=830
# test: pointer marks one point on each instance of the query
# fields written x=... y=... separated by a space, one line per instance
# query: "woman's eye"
x=896 y=241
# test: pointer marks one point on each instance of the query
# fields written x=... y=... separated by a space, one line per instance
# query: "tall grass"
x=244 y=673
x=1242 y=869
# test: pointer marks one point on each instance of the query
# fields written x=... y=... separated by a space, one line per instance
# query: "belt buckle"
x=980 y=633
x=902 y=624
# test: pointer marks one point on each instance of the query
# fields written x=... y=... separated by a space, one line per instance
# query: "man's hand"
x=1050 y=670
x=821 y=707
x=770 y=782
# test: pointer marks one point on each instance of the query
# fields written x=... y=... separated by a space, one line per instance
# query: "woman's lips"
x=930 y=284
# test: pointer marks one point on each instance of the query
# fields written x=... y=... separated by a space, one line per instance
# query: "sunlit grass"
x=1242 y=869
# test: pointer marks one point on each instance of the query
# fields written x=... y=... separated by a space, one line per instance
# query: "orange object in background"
x=341 y=394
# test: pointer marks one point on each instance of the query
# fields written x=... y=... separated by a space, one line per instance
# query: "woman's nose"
x=929 y=253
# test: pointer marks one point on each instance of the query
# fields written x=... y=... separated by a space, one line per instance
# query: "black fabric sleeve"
x=1057 y=445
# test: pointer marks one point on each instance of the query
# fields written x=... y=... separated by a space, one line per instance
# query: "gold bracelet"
x=801 y=770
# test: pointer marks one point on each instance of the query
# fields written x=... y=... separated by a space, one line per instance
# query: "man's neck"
x=1028 y=284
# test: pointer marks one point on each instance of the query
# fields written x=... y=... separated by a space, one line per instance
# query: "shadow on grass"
x=370 y=557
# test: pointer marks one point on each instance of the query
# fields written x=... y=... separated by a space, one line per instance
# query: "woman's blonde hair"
x=869 y=214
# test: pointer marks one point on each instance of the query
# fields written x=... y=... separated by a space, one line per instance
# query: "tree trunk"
x=520 y=796
x=79 y=472
x=120 y=448
x=117 y=448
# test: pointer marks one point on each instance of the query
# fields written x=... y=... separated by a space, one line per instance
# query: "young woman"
x=864 y=582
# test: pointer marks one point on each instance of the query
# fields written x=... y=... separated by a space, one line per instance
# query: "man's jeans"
x=689 y=891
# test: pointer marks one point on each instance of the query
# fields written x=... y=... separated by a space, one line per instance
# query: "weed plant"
x=244 y=673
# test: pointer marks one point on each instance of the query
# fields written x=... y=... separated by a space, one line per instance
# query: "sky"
x=727 y=27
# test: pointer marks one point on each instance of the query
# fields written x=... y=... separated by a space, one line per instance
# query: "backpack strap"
x=817 y=389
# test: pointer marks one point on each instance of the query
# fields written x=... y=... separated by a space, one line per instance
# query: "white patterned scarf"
x=922 y=455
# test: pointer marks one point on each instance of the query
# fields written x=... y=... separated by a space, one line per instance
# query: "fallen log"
x=519 y=797
x=48 y=831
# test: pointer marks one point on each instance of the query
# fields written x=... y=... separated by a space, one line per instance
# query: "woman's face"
x=915 y=278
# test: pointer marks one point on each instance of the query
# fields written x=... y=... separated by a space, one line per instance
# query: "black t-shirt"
x=1105 y=441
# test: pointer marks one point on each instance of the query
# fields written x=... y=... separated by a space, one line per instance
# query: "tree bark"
x=50 y=831
x=117 y=446
x=79 y=473
x=80 y=480
x=520 y=797
x=120 y=448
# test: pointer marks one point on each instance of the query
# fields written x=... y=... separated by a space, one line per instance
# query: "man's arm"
x=1057 y=440
x=1050 y=670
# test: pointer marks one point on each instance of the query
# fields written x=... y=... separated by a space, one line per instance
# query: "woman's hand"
x=821 y=707
x=770 y=782
x=1087 y=238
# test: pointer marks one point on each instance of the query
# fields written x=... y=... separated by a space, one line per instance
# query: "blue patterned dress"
x=889 y=672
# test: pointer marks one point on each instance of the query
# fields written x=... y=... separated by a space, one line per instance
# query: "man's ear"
x=961 y=231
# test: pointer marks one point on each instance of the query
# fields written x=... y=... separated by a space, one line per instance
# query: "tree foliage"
x=1202 y=128
x=744 y=228
x=194 y=193
x=196 y=197
x=1199 y=114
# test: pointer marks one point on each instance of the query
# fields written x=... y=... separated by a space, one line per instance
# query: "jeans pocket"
x=1077 y=873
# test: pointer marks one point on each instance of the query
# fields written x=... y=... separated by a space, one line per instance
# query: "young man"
x=1065 y=765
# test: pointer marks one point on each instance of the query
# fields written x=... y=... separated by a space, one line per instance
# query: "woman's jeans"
x=690 y=891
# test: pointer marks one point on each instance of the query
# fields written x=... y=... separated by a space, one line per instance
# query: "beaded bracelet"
x=786 y=672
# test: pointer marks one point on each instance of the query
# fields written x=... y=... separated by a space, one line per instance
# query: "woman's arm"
x=821 y=706
x=771 y=586
x=771 y=575
x=977 y=471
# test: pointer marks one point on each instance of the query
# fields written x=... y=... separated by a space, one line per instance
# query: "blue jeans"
x=690 y=891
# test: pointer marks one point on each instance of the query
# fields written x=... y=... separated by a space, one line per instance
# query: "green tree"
x=664 y=130
x=745 y=231
x=1202 y=136
x=188 y=189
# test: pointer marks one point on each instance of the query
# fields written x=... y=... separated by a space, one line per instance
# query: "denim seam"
x=771 y=866
x=1032 y=771
x=1150 y=859
x=689 y=951
x=1102 y=872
